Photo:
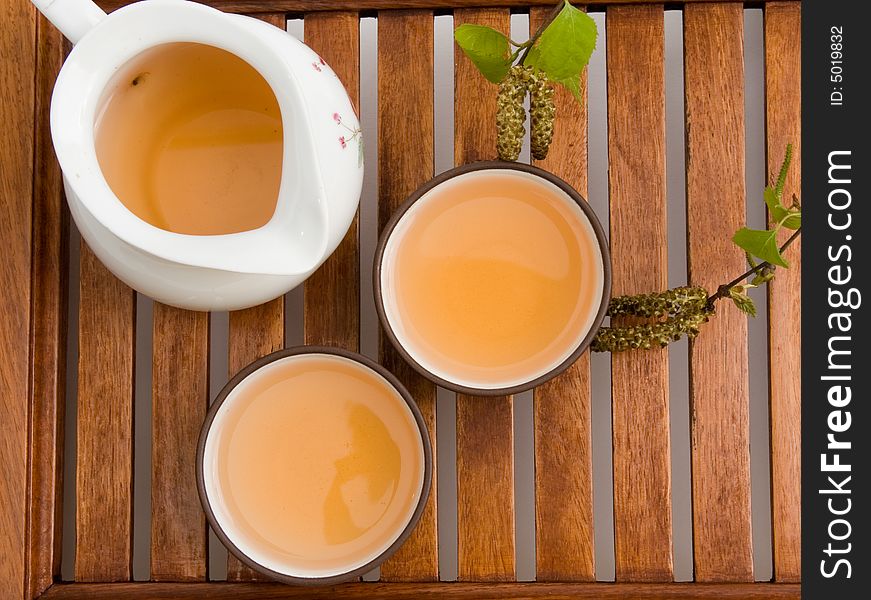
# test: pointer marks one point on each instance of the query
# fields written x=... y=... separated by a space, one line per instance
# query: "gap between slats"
x=147 y=389
x=600 y=363
x=757 y=329
x=70 y=451
x=523 y=430
x=446 y=400
x=678 y=357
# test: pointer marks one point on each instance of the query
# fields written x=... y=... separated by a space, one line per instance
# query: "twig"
x=556 y=10
x=723 y=290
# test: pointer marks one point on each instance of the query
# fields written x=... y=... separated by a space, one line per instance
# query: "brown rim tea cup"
x=388 y=315
x=205 y=483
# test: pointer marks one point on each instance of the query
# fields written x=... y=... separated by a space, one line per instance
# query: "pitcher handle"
x=74 y=18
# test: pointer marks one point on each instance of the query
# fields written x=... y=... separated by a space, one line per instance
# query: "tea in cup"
x=492 y=278
x=314 y=465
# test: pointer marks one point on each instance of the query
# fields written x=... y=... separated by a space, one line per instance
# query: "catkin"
x=542 y=111
x=671 y=302
x=510 y=115
x=655 y=335
x=685 y=309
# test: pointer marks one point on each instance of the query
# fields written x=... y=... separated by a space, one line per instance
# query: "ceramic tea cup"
x=492 y=278
x=313 y=465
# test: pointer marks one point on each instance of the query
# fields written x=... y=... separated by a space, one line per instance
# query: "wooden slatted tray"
x=33 y=330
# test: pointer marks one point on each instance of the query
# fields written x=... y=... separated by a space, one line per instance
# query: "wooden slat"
x=406 y=155
x=48 y=329
x=563 y=459
x=474 y=96
x=261 y=6
x=254 y=332
x=485 y=446
x=17 y=47
x=179 y=398
x=332 y=294
x=104 y=449
x=416 y=591
x=719 y=396
x=783 y=126
x=639 y=379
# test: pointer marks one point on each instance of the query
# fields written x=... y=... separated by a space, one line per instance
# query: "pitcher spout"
x=294 y=242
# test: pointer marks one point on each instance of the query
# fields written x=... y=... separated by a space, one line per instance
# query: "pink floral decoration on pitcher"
x=355 y=134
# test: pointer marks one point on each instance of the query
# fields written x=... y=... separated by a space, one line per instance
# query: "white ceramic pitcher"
x=322 y=170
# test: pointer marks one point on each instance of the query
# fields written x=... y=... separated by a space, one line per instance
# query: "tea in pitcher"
x=190 y=140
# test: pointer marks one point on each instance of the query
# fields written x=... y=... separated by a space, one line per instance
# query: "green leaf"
x=775 y=208
x=762 y=244
x=487 y=48
x=573 y=84
x=793 y=221
x=764 y=275
x=789 y=218
x=564 y=47
x=762 y=278
x=739 y=296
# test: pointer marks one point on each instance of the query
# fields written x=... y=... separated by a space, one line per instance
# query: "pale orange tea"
x=318 y=465
x=190 y=140
x=492 y=279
